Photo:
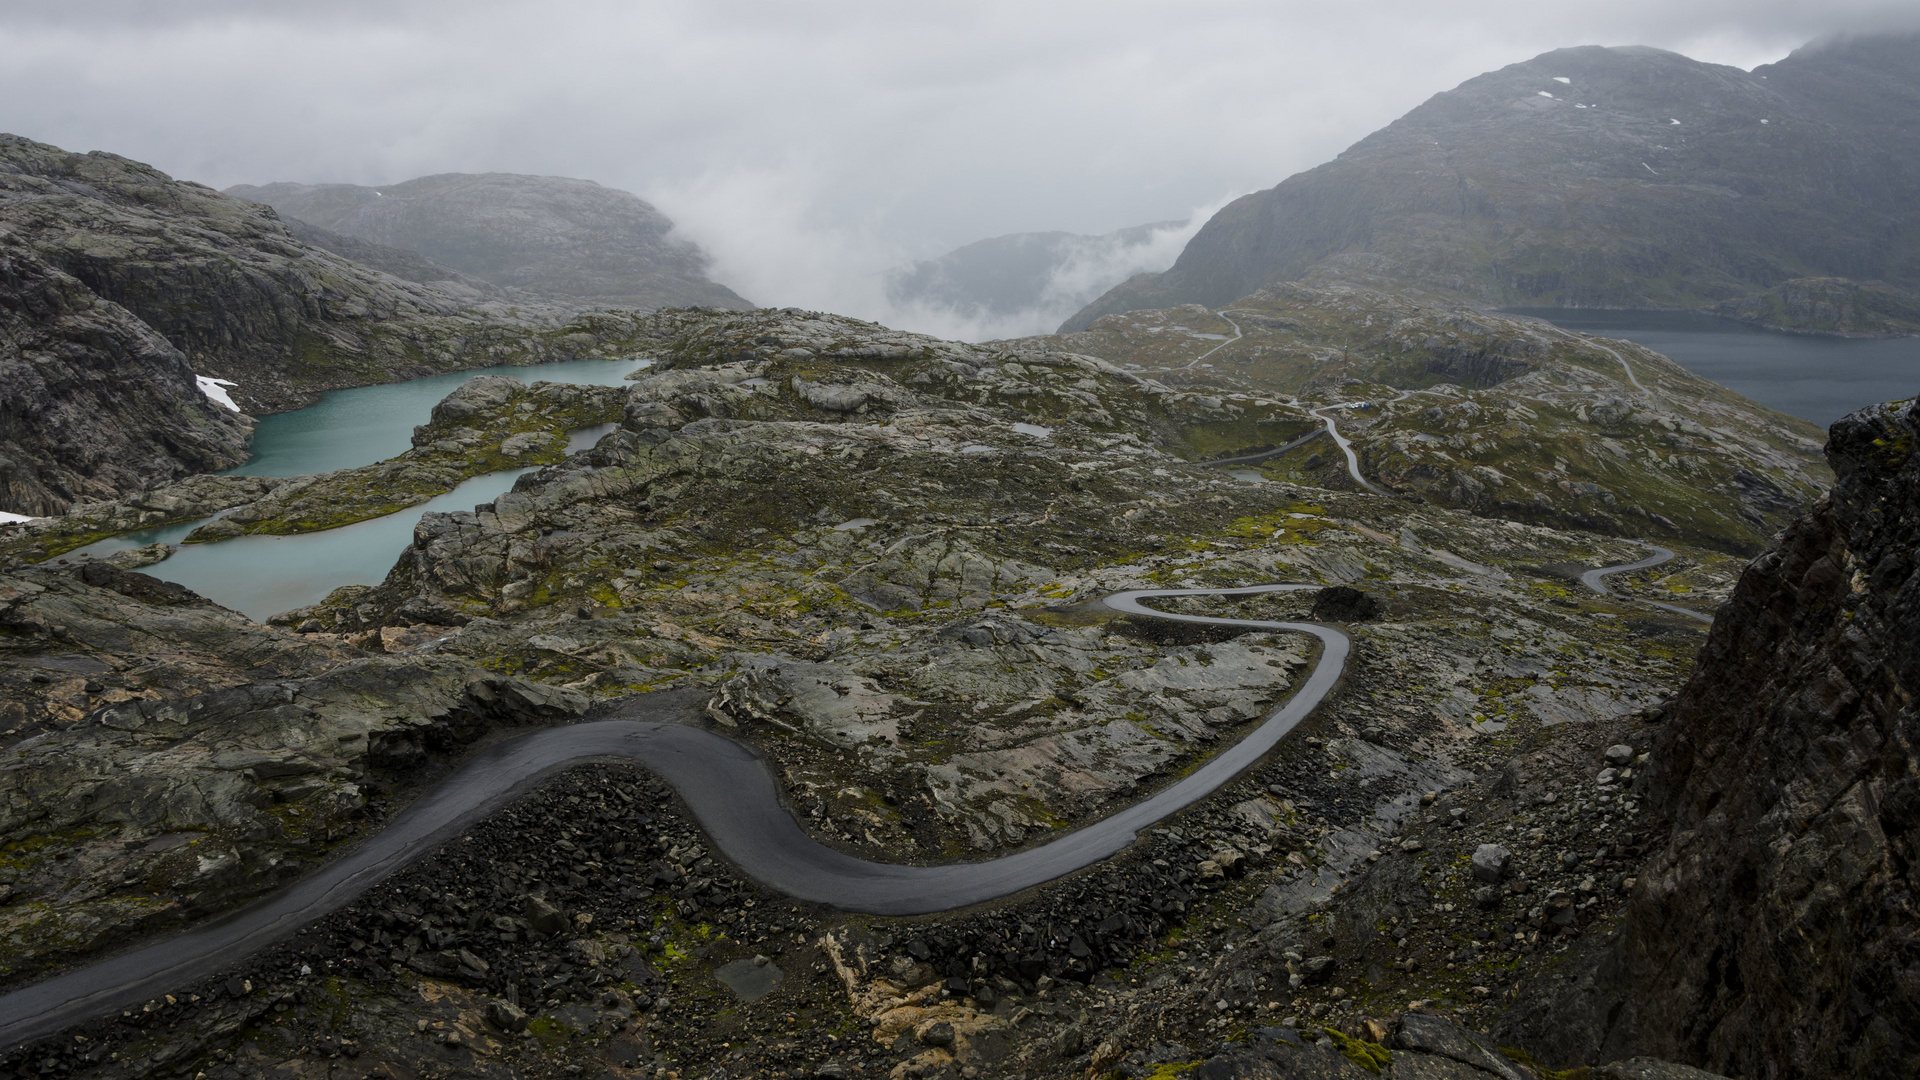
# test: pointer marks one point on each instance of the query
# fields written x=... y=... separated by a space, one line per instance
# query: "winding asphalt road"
x=1595 y=579
x=731 y=794
x=734 y=798
x=1255 y=459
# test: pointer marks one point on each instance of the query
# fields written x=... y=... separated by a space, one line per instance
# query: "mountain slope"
x=1626 y=177
x=1505 y=416
x=88 y=391
x=569 y=239
x=121 y=284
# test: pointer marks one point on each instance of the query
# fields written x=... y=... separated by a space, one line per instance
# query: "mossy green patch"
x=1368 y=1055
x=33 y=850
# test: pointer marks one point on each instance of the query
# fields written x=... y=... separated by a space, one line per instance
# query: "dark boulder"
x=1343 y=603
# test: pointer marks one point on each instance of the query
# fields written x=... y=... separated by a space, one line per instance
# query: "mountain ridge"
x=124 y=285
x=1605 y=177
x=555 y=237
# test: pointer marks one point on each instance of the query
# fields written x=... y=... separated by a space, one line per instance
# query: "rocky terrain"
x=1772 y=927
x=908 y=635
x=1503 y=416
x=544 y=236
x=1831 y=306
x=1606 y=177
x=122 y=286
x=88 y=393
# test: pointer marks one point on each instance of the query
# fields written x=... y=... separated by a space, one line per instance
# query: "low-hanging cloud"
x=1089 y=266
x=775 y=250
x=812 y=148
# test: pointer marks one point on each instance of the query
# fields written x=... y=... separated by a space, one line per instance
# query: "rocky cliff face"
x=120 y=284
x=549 y=235
x=1773 y=932
x=1624 y=177
x=92 y=400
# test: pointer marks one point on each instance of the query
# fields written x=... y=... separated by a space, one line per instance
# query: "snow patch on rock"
x=216 y=390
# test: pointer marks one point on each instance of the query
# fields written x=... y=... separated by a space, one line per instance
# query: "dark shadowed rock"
x=1651 y=1069
x=93 y=402
x=544 y=916
x=1426 y=1034
x=506 y=1016
x=1343 y=603
x=1780 y=902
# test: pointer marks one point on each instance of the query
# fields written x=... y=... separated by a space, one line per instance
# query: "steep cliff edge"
x=92 y=401
x=1774 y=931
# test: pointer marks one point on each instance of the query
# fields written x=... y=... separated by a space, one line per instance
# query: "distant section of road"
x=1595 y=579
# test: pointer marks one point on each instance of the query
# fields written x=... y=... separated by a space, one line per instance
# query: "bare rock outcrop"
x=119 y=285
x=93 y=402
x=1772 y=932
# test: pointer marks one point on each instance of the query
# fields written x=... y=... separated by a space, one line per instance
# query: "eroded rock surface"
x=120 y=285
x=1770 y=931
x=150 y=811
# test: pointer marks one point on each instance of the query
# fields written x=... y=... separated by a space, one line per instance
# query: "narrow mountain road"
x=734 y=798
x=731 y=794
x=1595 y=579
x=1255 y=459
x=1237 y=335
x=1346 y=447
x=1628 y=368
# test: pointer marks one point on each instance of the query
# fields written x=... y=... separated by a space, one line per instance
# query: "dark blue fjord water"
x=1817 y=378
x=264 y=575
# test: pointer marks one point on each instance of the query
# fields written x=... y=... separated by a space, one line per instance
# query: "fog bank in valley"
x=814 y=148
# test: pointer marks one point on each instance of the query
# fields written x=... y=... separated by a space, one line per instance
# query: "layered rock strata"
x=1772 y=930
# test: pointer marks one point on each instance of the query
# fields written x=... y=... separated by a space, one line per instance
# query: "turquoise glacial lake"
x=265 y=575
x=349 y=428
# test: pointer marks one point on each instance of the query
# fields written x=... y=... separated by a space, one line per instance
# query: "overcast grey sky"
x=809 y=145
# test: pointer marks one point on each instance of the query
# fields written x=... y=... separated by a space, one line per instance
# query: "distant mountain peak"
x=1647 y=179
x=553 y=236
x=1023 y=283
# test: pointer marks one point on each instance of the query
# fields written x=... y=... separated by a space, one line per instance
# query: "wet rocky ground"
x=909 y=633
x=588 y=930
